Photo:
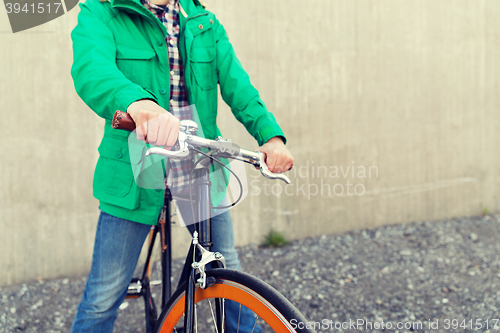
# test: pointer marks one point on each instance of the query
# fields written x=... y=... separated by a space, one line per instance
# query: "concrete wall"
x=408 y=88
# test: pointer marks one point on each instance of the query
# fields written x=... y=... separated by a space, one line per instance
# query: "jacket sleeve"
x=98 y=81
x=238 y=92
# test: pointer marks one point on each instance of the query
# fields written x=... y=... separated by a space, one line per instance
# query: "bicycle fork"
x=201 y=249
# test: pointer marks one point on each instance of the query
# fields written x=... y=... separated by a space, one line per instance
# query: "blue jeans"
x=117 y=247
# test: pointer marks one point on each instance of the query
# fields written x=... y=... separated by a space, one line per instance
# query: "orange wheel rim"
x=231 y=292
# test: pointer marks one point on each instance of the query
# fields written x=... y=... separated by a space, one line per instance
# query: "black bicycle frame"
x=166 y=254
x=202 y=213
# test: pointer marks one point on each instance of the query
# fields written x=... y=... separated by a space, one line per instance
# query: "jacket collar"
x=187 y=7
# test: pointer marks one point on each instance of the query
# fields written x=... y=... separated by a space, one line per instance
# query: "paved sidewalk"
x=422 y=274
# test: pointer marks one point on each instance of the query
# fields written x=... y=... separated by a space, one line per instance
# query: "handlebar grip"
x=122 y=120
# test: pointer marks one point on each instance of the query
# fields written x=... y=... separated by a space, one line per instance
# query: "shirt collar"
x=162 y=7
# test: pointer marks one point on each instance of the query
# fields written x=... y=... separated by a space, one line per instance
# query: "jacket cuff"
x=269 y=132
x=129 y=95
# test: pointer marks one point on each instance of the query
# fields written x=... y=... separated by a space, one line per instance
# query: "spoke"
x=195 y=319
x=239 y=315
x=255 y=324
x=213 y=317
x=223 y=314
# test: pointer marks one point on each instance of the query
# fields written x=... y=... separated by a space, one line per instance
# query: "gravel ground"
x=422 y=274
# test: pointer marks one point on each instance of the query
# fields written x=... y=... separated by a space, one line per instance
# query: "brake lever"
x=178 y=154
x=264 y=170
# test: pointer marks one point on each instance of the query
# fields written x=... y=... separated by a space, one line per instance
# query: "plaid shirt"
x=179 y=105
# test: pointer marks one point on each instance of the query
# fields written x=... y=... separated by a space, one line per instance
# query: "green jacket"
x=120 y=57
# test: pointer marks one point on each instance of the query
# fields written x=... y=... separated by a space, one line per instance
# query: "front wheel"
x=240 y=292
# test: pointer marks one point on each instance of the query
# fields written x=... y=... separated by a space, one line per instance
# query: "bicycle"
x=204 y=277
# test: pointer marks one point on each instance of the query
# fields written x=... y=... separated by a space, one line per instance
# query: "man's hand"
x=153 y=123
x=278 y=158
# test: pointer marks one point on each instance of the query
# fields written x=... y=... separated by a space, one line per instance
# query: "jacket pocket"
x=113 y=178
x=136 y=64
x=204 y=67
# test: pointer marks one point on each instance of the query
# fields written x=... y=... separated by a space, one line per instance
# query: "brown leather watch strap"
x=122 y=120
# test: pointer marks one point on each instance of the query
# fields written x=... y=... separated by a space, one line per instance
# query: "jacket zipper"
x=185 y=49
x=149 y=18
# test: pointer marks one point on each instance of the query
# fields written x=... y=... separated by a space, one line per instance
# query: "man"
x=153 y=58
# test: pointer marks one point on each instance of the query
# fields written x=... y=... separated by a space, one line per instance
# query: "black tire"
x=280 y=315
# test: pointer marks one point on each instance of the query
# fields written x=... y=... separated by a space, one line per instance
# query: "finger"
x=141 y=128
x=168 y=131
x=153 y=127
x=271 y=161
x=279 y=167
x=173 y=133
x=288 y=162
x=163 y=130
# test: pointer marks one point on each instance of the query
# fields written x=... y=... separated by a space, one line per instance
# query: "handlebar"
x=187 y=141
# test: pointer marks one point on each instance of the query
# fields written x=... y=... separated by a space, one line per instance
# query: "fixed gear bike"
x=199 y=302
